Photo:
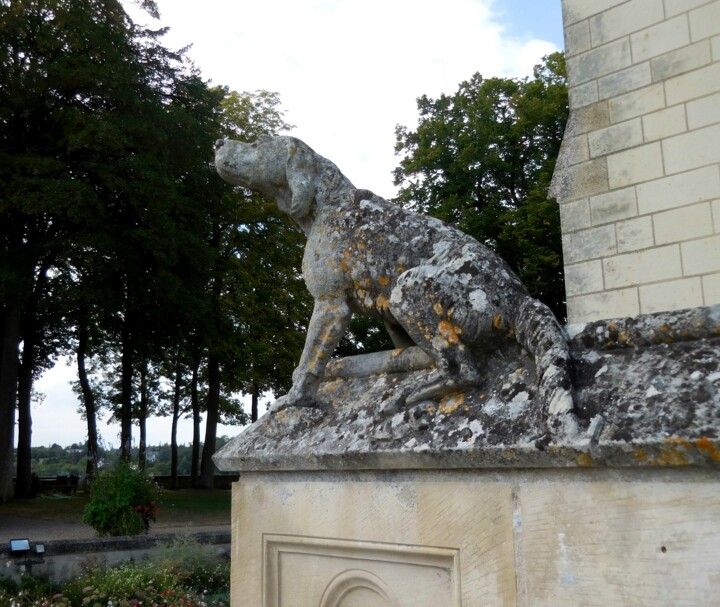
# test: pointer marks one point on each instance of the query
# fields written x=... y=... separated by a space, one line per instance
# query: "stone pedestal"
x=467 y=501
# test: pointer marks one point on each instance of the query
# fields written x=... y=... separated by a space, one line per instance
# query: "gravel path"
x=43 y=530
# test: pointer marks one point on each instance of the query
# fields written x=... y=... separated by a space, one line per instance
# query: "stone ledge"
x=122 y=543
x=647 y=394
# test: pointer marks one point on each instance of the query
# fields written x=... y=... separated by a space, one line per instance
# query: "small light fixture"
x=19 y=546
x=39 y=549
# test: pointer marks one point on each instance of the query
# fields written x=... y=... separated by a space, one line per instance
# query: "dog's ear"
x=301 y=174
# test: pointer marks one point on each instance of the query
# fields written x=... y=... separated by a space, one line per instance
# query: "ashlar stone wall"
x=638 y=179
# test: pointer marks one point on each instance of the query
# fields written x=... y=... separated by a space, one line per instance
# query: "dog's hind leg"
x=330 y=319
x=419 y=302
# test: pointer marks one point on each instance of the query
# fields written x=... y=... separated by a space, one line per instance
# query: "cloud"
x=348 y=72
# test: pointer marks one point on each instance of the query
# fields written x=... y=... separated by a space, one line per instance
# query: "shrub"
x=183 y=574
x=123 y=501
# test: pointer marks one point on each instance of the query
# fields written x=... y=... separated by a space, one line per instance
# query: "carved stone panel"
x=346 y=573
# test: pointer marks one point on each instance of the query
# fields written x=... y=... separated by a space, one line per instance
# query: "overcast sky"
x=348 y=72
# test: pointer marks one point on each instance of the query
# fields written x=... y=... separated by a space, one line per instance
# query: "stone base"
x=471 y=538
x=467 y=500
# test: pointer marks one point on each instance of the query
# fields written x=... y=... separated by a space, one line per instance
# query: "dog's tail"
x=538 y=331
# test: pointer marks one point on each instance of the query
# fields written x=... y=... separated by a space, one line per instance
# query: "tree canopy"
x=119 y=244
x=482 y=160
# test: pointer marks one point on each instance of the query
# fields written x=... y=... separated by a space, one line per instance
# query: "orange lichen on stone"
x=640 y=455
x=584 y=460
x=345 y=262
x=437 y=306
x=382 y=302
x=705 y=444
x=383 y=281
x=672 y=457
x=498 y=321
x=450 y=332
x=451 y=402
x=680 y=441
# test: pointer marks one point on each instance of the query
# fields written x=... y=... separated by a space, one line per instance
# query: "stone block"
x=584 y=245
x=705 y=21
x=584 y=94
x=701 y=256
x=675 y=7
x=692 y=150
x=372 y=539
x=579 y=180
x=575 y=149
x=635 y=234
x=599 y=61
x=613 y=206
x=649 y=543
x=664 y=123
x=625 y=19
x=681 y=61
x=715 y=44
x=703 y=112
x=643 y=163
x=686 y=223
x=642 y=267
x=588 y=118
x=711 y=289
x=693 y=85
x=624 y=81
x=615 y=138
x=577 y=38
x=576 y=10
x=659 y=39
x=678 y=190
x=638 y=103
x=618 y=303
x=582 y=278
x=575 y=215
x=674 y=295
x=716 y=215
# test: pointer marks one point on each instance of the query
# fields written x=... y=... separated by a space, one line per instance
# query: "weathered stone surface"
x=647 y=391
x=432 y=285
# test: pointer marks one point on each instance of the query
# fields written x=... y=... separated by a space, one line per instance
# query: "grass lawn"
x=181 y=507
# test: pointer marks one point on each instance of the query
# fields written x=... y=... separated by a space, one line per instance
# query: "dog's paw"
x=289 y=400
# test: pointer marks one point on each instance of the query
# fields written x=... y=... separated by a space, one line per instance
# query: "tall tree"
x=482 y=159
x=51 y=77
x=256 y=292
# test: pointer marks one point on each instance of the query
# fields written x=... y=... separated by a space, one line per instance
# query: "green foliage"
x=482 y=159
x=183 y=572
x=32 y=591
x=123 y=501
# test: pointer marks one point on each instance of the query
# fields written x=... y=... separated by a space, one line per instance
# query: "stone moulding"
x=647 y=393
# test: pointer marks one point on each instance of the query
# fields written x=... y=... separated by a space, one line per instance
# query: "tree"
x=54 y=55
x=257 y=297
x=482 y=160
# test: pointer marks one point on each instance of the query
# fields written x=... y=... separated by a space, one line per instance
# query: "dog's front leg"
x=330 y=319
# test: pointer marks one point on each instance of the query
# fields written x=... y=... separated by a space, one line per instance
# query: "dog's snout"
x=219 y=143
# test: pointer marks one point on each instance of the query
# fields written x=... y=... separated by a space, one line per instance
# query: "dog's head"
x=282 y=167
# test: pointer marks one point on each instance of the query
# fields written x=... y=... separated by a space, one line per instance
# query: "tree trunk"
x=207 y=468
x=89 y=403
x=142 y=416
x=195 y=403
x=254 y=396
x=126 y=396
x=23 y=477
x=8 y=395
x=173 y=431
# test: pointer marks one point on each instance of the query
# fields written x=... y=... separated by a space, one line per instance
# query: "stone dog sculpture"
x=431 y=284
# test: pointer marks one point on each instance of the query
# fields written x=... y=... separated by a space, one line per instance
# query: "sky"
x=347 y=72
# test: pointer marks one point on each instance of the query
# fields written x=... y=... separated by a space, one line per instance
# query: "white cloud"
x=348 y=72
